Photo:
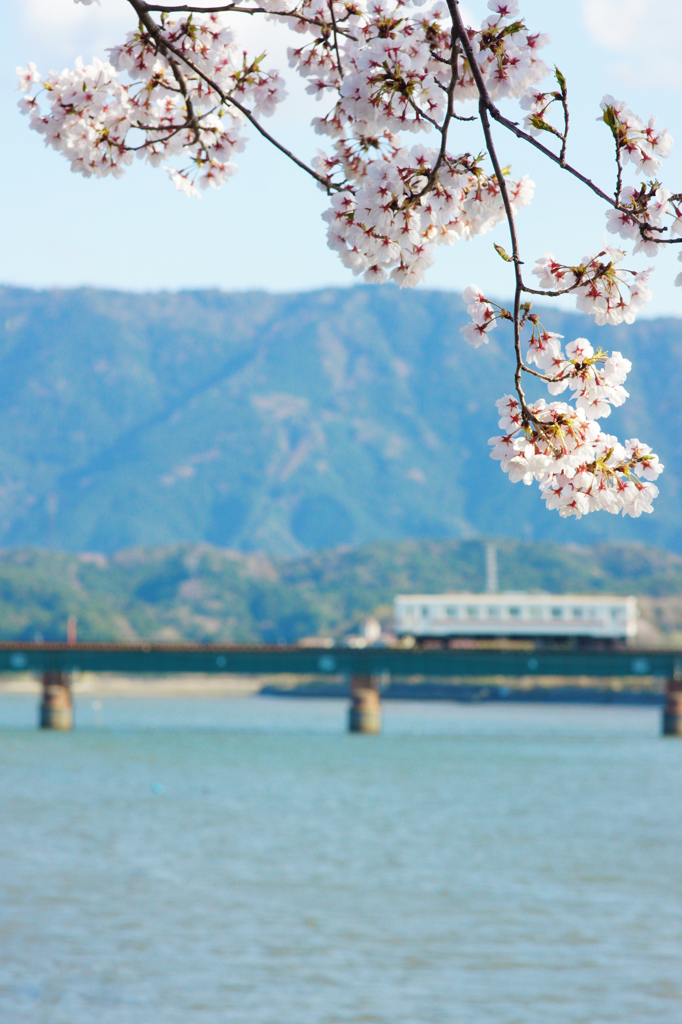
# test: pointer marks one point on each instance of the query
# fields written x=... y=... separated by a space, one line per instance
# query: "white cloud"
x=56 y=31
x=65 y=16
x=42 y=15
x=651 y=28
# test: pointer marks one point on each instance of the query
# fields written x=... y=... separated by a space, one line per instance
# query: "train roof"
x=516 y=595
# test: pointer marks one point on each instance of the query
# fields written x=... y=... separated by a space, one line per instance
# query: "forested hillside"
x=199 y=593
x=285 y=423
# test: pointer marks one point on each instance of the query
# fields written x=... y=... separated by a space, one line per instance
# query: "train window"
x=616 y=613
x=452 y=611
x=493 y=612
x=536 y=613
x=557 y=613
x=472 y=611
x=425 y=611
x=577 y=613
x=593 y=613
x=515 y=611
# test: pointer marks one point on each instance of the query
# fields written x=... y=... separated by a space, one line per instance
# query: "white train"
x=523 y=616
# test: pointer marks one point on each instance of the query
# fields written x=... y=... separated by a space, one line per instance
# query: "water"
x=246 y=861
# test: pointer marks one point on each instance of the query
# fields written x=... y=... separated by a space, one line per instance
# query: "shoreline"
x=103 y=684
x=581 y=690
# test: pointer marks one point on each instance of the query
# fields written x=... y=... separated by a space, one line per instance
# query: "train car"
x=552 y=618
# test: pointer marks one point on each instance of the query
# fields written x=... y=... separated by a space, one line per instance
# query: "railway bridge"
x=365 y=668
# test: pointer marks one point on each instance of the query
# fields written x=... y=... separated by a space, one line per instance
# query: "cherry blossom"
x=392 y=80
x=640 y=214
x=610 y=294
x=636 y=143
x=578 y=467
x=483 y=316
x=92 y=113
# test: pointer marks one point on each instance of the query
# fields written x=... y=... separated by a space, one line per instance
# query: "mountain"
x=205 y=594
x=286 y=423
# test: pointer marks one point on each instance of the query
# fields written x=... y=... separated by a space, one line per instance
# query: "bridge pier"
x=365 y=705
x=672 y=709
x=56 y=706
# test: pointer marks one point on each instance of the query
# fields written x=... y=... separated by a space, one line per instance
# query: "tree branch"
x=237 y=9
x=483 y=106
x=167 y=49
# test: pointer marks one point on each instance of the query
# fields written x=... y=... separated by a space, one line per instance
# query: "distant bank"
x=465 y=693
x=204 y=594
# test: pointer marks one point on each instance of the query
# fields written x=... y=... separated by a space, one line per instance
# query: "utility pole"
x=491 y=585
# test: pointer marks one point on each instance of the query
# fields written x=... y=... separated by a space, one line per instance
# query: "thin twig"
x=454 y=77
x=483 y=106
x=619 y=175
x=561 y=291
x=237 y=9
x=336 y=38
x=564 y=103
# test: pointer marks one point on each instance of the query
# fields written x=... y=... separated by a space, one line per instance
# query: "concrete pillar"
x=672 y=709
x=56 y=708
x=365 y=705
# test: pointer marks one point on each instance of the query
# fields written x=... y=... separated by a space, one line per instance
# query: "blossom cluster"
x=99 y=123
x=610 y=294
x=179 y=93
x=597 y=387
x=483 y=316
x=391 y=66
x=387 y=65
x=538 y=104
x=640 y=215
x=391 y=73
x=578 y=467
x=562 y=446
x=393 y=221
x=637 y=143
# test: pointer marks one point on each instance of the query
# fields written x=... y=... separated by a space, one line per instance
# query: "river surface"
x=215 y=861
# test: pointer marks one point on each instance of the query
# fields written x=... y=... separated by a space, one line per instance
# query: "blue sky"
x=263 y=228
